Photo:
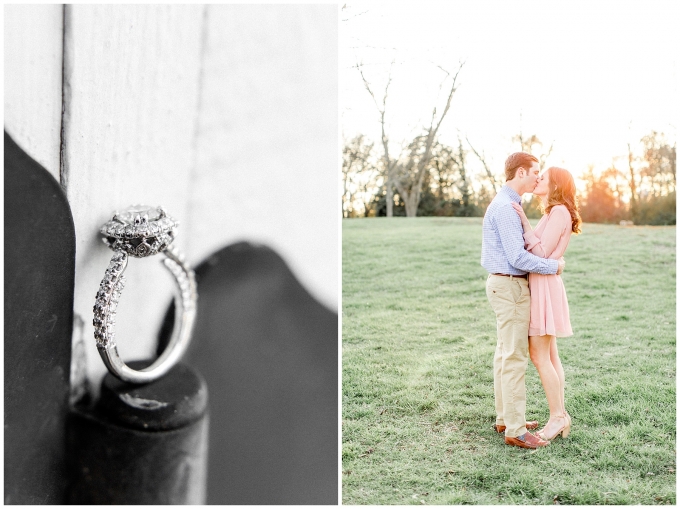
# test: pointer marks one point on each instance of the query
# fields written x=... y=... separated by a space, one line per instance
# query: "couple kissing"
x=526 y=292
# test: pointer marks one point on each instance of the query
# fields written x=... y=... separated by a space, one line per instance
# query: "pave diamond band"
x=160 y=233
x=107 y=301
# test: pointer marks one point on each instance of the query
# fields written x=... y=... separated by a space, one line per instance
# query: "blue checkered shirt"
x=503 y=241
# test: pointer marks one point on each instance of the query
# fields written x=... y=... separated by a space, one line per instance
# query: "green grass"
x=418 y=343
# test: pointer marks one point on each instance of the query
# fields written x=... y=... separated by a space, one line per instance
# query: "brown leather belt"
x=523 y=276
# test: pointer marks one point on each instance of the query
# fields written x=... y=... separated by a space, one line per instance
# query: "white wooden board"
x=33 y=52
x=267 y=153
x=130 y=98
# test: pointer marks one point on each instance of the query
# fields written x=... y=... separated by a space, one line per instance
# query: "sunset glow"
x=586 y=78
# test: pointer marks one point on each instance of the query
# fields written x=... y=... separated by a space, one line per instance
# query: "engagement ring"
x=141 y=231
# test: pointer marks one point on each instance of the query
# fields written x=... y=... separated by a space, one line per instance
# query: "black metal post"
x=141 y=444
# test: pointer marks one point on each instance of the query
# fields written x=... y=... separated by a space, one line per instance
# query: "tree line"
x=431 y=178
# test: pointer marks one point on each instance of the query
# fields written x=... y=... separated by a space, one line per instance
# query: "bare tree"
x=614 y=176
x=389 y=163
x=442 y=169
x=634 y=198
x=449 y=171
x=494 y=183
x=464 y=182
x=658 y=161
x=406 y=172
x=358 y=172
x=528 y=145
x=408 y=177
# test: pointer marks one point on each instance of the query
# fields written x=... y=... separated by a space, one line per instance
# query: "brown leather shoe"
x=530 y=441
x=500 y=428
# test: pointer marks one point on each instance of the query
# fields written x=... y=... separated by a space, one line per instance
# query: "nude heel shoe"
x=564 y=430
x=567 y=427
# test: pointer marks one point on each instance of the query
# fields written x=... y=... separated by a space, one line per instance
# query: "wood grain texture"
x=33 y=58
x=267 y=148
x=224 y=114
x=130 y=101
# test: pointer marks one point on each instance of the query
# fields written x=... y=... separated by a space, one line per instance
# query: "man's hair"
x=517 y=160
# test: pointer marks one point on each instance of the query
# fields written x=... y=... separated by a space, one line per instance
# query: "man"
x=507 y=288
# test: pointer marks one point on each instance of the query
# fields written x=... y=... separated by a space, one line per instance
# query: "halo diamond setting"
x=140 y=231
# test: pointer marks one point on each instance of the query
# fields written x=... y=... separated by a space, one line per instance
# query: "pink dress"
x=549 y=307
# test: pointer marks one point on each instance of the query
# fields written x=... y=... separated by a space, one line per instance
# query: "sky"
x=587 y=77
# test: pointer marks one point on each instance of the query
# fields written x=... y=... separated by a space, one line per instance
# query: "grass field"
x=418 y=343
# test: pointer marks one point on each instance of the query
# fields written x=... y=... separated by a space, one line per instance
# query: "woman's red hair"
x=563 y=192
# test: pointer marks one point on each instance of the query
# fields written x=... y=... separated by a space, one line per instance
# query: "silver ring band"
x=107 y=301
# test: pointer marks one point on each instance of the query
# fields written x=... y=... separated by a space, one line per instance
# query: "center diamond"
x=128 y=215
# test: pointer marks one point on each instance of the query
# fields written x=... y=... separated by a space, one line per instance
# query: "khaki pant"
x=509 y=298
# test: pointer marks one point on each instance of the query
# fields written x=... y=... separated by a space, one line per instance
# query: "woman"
x=549 y=307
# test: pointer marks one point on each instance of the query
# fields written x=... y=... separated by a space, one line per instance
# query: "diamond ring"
x=142 y=231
